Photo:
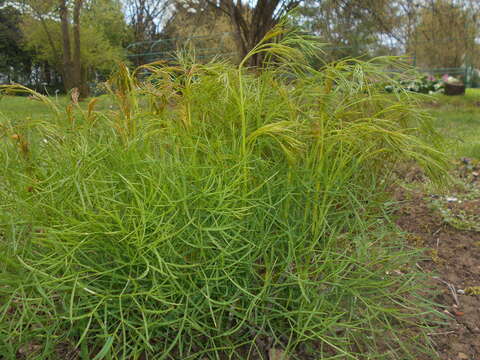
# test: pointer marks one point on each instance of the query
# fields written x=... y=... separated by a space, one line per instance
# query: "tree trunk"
x=67 y=57
x=251 y=23
x=78 y=78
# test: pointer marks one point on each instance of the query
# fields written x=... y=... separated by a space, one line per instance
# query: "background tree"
x=15 y=61
x=72 y=63
x=67 y=62
x=208 y=30
x=352 y=27
x=445 y=34
x=251 y=19
x=146 y=19
x=103 y=34
x=110 y=20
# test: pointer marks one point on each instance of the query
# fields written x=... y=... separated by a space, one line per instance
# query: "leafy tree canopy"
x=104 y=32
x=14 y=58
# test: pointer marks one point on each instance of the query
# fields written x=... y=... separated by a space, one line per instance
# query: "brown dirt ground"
x=453 y=263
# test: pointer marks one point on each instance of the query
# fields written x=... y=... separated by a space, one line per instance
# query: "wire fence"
x=203 y=47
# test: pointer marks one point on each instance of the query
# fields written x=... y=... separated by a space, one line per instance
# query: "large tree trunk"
x=251 y=23
x=68 y=79
x=78 y=78
x=72 y=65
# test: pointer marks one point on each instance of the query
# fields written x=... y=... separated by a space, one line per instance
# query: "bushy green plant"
x=213 y=213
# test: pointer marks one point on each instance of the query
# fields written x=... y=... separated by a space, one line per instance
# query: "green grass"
x=458 y=119
x=212 y=211
x=19 y=108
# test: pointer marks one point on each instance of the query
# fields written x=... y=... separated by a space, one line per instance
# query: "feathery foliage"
x=213 y=213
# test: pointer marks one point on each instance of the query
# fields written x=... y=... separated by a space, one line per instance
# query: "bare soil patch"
x=453 y=261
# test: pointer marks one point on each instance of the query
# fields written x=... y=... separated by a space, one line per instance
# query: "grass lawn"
x=458 y=119
x=19 y=108
x=22 y=107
